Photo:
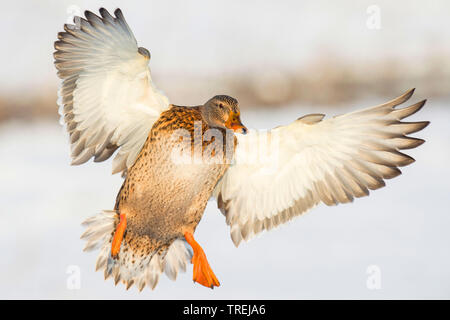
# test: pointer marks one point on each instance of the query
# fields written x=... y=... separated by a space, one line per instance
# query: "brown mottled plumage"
x=162 y=199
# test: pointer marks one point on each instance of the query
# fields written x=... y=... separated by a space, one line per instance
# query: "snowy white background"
x=403 y=228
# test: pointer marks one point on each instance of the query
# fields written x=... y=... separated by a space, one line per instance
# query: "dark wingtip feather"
x=421 y=125
x=104 y=13
x=405 y=97
x=91 y=16
x=77 y=20
x=409 y=93
x=412 y=143
x=422 y=103
x=129 y=284
x=118 y=13
x=395 y=172
x=71 y=27
x=61 y=35
x=88 y=13
x=419 y=142
x=407 y=160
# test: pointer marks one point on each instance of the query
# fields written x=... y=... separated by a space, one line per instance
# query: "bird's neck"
x=206 y=115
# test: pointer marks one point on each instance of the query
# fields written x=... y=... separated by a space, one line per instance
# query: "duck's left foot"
x=118 y=236
x=203 y=273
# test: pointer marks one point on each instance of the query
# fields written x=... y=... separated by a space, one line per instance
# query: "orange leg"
x=118 y=236
x=203 y=273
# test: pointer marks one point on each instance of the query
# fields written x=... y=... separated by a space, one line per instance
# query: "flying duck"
x=174 y=158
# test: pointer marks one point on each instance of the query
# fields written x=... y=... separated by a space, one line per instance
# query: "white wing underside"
x=107 y=99
x=330 y=161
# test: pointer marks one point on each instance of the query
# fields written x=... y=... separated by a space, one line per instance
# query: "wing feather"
x=331 y=161
x=107 y=99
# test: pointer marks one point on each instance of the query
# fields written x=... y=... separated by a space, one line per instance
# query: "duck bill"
x=234 y=123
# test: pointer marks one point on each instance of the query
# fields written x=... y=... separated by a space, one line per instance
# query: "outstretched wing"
x=330 y=161
x=107 y=99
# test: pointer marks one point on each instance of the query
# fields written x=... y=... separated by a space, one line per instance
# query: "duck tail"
x=131 y=267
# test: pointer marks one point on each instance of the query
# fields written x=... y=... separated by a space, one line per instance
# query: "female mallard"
x=108 y=102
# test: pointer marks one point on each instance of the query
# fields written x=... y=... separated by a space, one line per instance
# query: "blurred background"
x=280 y=60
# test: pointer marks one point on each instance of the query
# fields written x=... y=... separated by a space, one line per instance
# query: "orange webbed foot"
x=118 y=236
x=203 y=273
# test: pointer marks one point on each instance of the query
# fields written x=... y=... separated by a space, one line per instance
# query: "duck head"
x=223 y=112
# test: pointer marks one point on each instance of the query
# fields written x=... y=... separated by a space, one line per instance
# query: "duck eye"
x=221 y=106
